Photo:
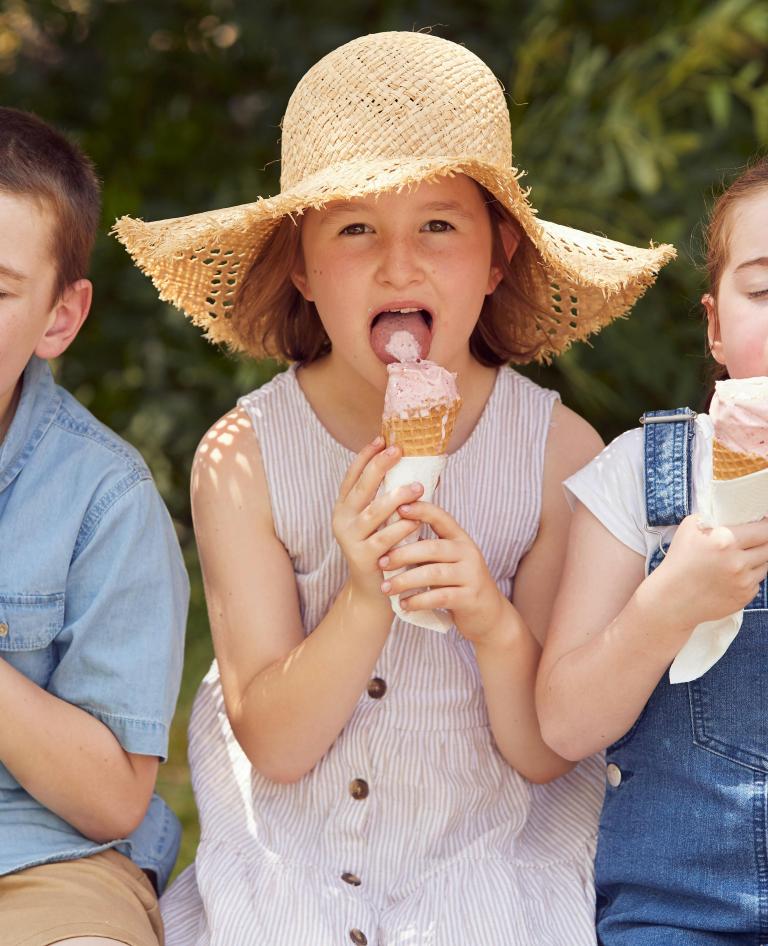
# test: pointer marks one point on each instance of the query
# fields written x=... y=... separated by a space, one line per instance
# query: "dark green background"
x=626 y=115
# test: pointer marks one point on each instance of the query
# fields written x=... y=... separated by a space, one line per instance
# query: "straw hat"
x=382 y=112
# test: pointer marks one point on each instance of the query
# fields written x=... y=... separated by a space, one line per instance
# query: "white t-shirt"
x=612 y=487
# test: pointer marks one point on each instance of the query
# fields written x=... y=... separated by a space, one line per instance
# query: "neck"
x=351 y=412
x=8 y=405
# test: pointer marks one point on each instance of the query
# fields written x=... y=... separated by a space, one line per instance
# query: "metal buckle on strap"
x=669 y=418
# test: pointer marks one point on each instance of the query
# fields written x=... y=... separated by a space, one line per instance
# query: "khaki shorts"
x=101 y=895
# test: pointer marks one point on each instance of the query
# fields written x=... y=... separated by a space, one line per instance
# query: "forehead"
x=457 y=189
x=26 y=229
x=748 y=229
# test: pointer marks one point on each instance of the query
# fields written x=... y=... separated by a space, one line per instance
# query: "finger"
x=357 y=466
x=419 y=553
x=751 y=534
x=757 y=556
x=389 y=536
x=429 y=600
x=435 y=575
x=387 y=504
x=443 y=524
x=364 y=489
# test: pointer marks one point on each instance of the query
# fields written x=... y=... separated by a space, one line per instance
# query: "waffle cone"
x=422 y=434
x=731 y=464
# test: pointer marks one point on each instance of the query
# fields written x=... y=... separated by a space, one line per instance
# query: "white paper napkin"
x=730 y=502
x=424 y=470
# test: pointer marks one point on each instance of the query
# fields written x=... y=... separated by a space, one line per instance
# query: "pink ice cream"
x=739 y=413
x=414 y=387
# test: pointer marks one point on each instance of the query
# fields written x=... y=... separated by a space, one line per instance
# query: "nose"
x=399 y=263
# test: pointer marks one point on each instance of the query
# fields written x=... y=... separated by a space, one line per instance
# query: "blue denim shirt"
x=93 y=606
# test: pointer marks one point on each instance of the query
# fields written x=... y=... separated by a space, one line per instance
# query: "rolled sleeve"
x=122 y=644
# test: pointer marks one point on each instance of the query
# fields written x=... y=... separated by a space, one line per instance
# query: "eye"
x=437 y=226
x=758 y=294
x=353 y=229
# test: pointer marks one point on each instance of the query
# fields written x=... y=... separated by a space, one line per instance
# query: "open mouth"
x=402 y=334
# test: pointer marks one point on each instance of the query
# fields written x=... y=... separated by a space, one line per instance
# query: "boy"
x=93 y=593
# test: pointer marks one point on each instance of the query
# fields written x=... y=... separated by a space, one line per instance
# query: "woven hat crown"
x=390 y=95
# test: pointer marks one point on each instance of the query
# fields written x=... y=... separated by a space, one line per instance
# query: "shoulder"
x=571 y=442
x=227 y=471
x=87 y=438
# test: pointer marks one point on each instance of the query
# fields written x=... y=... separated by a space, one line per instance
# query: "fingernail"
x=377 y=441
x=415 y=487
x=386 y=585
x=384 y=561
x=405 y=508
x=391 y=451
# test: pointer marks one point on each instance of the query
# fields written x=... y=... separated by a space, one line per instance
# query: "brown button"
x=376 y=688
x=358 y=789
x=352 y=879
x=358 y=937
x=3 y=629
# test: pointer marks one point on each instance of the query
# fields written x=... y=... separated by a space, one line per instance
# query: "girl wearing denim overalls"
x=683 y=845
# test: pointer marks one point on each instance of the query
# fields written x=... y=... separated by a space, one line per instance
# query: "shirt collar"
x=35 y=411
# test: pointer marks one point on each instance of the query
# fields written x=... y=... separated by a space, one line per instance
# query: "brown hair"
x=37 y=161
x=717 y=239
x=719 y=228
x=291 y=328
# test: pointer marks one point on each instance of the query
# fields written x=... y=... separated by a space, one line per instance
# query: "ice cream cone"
x=422 y=434
x=730 y=464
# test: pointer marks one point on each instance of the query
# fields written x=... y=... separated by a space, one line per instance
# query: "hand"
x=708 y=573
x=360 y=516
x=451 y=568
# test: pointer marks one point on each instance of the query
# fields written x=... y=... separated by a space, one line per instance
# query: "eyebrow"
x=438 y=206
x=11 y=273
x=758 y=261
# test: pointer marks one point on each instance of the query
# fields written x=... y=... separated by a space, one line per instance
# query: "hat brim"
x=584 y=281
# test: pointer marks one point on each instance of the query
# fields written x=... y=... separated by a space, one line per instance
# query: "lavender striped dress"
x=412 y=830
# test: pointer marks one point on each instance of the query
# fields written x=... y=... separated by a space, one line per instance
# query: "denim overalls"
x=682 y=854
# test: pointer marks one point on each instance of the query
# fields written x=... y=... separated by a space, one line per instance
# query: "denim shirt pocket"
x=29 y=625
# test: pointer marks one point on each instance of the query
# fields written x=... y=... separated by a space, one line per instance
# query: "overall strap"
x=668 y=450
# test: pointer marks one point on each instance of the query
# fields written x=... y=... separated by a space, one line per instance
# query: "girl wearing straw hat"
x=361 y=779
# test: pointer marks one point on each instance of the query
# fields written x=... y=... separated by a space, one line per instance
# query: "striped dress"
x=412 y=830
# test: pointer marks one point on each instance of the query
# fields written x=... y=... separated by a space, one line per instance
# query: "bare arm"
x=71 y=762
x=614 y=633
x=506 y=635
x=509 y=689
x=283 y=711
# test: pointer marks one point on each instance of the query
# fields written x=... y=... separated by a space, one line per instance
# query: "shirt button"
x=376 y=688
x=613 y=774
x=3 y=629
x=358 y=937
x=352 y=879
x=358 y=789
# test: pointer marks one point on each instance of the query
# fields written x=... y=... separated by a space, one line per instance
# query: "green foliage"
x=625 y=115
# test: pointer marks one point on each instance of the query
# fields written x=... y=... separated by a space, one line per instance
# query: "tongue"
x=400 y=336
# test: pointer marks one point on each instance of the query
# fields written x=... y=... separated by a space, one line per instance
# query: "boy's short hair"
x=39 y=162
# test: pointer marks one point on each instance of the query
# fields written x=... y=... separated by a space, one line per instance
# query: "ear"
x=510 y=238
x=713 y=328
x=299 y=278
x=67 y=316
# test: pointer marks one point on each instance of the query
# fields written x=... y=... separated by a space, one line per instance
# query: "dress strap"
x=668 y=450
